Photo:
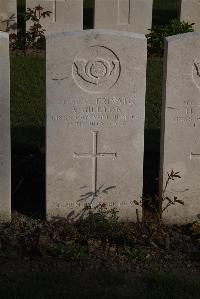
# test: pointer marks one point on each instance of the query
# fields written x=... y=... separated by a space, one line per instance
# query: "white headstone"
x=180 y=146
x=190 y=12
x=8 y=15
x=124 y=15
x=96 y=83
x=5 y=154
x=66 y=15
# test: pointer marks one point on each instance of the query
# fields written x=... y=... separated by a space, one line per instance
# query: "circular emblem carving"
x=96 y=69
x=196 y=73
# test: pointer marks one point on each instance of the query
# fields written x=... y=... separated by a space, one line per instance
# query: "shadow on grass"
x=21 y=8
x=151 y=171
x=88 y=19
x=151 y=161
x=162 y=17
x=165 y=10
x=28 y=171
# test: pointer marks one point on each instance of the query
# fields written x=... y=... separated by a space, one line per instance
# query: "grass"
x=88 y=3
x=165 y=10
x=166 y=5
x=27 y=99
x=154 y=93
x=104 y=285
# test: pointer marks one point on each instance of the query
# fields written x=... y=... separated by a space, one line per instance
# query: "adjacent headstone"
x=124 y=15
x=5 y=154
x=8 y=15
x=96 y=83
x=66 y=15
x=180 y=145
x=190 y=12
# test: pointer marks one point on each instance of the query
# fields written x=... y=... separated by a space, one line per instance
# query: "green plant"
x=72 y=251
x=155 y=39
x=135 y=254
x=100 y=222
x=34 y=37
x=196 y=226
x=161 y=203
x=166 y=200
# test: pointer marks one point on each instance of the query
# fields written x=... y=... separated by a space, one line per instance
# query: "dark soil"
x=32 y=244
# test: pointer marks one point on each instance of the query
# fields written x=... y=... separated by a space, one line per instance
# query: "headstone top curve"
x=93 y=32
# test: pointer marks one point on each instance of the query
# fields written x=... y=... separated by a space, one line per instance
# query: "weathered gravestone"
x=190 y=12
x=95 y=121
x=66 y=15
x=125 y=15
x=180 y=149
x=5 y=155
x=8 y=15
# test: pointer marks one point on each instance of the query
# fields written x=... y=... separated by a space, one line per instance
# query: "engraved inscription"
x=189 y=113
x=96 y=69
x=54 y=8
x=99 y=112
x=93 y=204
x=94 y=156
x=124 y=12
x=96 y=120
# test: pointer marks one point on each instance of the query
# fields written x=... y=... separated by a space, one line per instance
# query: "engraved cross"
x=94 y=156
x=54 y=8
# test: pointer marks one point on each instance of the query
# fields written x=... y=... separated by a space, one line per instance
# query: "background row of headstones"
x=95 y=111
x=125 y=15
x=67 y=15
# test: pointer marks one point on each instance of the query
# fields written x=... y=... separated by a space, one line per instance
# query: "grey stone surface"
x=8 y=15
x=66 y=15
x=124 y=15
x=180 y=148
x=96 y=83
x=5 y=155
x=190 y=12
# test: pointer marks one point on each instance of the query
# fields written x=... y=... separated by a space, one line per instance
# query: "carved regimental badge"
x=96 y=69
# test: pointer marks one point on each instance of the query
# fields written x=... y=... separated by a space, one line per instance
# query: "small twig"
x=137 y=215
x=18 y=186
x=167 y=242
